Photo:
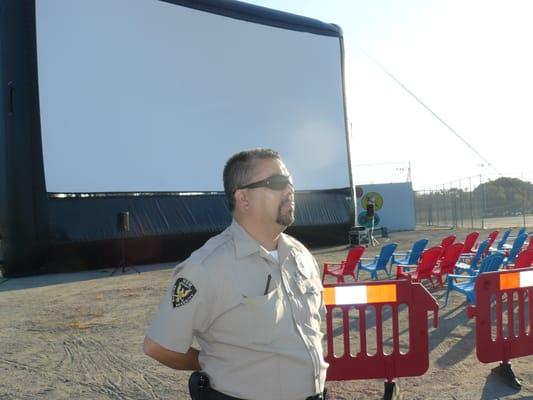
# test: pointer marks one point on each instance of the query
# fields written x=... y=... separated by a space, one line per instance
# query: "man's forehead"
x=269 y=166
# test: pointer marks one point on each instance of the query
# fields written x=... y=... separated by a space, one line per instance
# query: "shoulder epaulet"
x=209 y=247
x=198 y=256
x=295 y=242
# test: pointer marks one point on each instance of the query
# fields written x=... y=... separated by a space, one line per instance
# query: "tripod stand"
x=370 y=213
x=124 y=226
x=373 y=241
x=123 y=265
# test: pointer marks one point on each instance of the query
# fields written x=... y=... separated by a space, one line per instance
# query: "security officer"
x=251 y=296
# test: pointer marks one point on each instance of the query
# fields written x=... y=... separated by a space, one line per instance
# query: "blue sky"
x=470 y=61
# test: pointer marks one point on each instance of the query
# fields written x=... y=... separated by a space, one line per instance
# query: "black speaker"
x=356 y=235
x=353 y=238
x=123 y=221
x=369 y=210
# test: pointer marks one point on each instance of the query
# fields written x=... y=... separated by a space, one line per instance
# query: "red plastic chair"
x=425 y=266
x=344 y=268
x=469 y=243
x=492 y=238
x=446 y=265
x=523 y=260
x=530 y=243
x=447 y=242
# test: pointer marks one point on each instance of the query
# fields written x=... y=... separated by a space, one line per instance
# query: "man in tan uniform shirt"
x=251 y=296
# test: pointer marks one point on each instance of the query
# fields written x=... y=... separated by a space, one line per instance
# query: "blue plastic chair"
x=468 y=287
x=520 y=232
x=471 y=268
x=410 y=257
x=517 y=247
x=508 y=246
x=380 y=262
x=502 y=241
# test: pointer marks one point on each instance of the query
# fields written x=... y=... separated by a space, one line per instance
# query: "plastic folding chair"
x=508 y=246
x=472 y=266
x=380 y=262
x=447 y=242
x=517 y=247
x=468 y=283
x=446 y=265
x=492 y=238
x=470 y=241
x=423 y=269
x=523 y=260
x=346 y=267
x=410 y=257
x=529 y=244
x=502 y=241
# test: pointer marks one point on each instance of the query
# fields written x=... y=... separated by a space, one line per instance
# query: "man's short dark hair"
x=240 y=168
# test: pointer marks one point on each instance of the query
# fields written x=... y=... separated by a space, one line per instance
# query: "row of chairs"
x=417 y=264
x=489 y=259
x=387 y=257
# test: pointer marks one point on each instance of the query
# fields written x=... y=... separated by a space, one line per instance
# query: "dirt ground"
x=79 y=336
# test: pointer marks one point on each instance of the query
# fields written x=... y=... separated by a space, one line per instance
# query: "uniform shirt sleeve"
x=183 y=310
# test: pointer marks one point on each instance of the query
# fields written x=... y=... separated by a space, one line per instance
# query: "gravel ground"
x=79 y=336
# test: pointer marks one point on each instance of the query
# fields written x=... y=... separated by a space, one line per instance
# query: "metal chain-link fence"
x=480 y=202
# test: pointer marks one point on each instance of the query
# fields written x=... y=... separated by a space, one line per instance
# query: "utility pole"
x=471 y=203
x=482 y=202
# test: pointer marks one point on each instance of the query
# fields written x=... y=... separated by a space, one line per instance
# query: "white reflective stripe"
x=350 y=295
x=526 y=278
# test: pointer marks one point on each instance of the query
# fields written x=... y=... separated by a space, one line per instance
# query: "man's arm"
x=172 y=359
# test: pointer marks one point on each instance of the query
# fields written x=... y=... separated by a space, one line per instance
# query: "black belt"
x=199 y=385
x=213 y=394
x=320 y=396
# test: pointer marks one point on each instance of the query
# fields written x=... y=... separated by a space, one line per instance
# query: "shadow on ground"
x=29 y=282
x=495 y=387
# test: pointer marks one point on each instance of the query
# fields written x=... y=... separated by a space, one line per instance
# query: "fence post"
x=482 y=203
x=436 y=195
x=524 y=210
x=445 y=205
x=471 y=203
x=460 y=197
x=454 y=195
x=430 y=207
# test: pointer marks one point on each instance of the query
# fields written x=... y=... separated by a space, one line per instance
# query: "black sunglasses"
x=274 y=182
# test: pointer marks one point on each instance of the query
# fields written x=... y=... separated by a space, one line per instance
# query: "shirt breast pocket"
x=262 y=316
x=311 y=295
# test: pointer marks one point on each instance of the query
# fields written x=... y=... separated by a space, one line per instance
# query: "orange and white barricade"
x=390 y=321
x=504 y=319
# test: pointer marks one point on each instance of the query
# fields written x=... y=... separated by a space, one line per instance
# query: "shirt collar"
x=246 y=245
x=284 y=248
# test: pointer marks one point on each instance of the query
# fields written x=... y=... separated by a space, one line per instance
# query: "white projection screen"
x=149 y=96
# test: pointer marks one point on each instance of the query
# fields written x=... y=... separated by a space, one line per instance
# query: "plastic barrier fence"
x=369 y=359
x=504 y=318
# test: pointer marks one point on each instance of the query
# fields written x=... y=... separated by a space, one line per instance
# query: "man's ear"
x=241 y=199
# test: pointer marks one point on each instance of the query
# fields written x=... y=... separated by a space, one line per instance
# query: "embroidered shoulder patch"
x=182 y=292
